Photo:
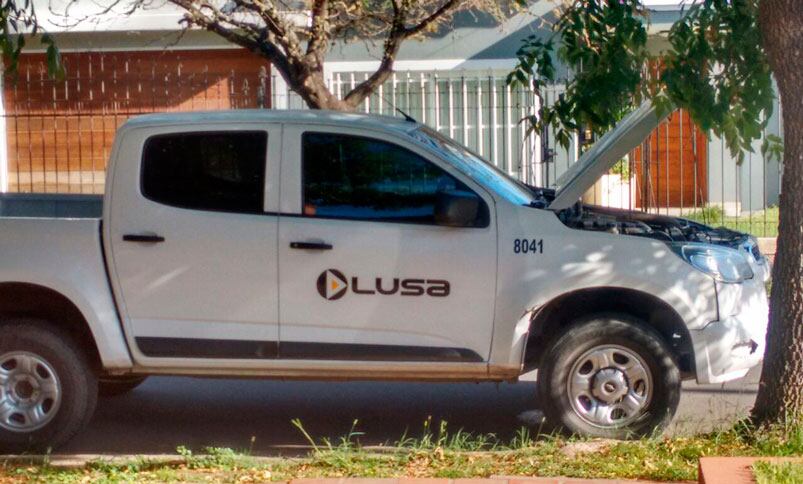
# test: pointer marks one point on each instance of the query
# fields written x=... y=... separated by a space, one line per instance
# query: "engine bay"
x=641 y=224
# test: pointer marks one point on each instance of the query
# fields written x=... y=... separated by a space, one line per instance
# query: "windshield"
x=475 y=167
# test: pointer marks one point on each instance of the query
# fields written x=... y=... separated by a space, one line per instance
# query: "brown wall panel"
x=59 y=133
x=670 y=166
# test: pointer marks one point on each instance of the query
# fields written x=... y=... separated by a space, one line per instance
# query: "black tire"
x=76 y=380
x=112 y=386
x=615 y=335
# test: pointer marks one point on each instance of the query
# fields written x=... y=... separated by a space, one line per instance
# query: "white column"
x=280 y=93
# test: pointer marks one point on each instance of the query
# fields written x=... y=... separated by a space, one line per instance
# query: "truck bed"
x=50 y=205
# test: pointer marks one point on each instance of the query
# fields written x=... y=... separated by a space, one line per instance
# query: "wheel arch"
x=558 y=313
x=33 y=301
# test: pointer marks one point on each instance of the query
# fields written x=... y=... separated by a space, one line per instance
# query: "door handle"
x=311 y=245
x=143 y=238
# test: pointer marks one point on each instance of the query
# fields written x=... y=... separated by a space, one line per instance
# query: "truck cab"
x=321 y=245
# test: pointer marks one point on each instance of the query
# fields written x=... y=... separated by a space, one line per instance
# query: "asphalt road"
x=254 y=415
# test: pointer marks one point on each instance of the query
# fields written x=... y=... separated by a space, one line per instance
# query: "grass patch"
x=760 y=224
x=437 y=452
x=782 y=473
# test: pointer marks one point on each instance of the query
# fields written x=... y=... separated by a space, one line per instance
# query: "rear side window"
x=353 y=177
x=220 y=171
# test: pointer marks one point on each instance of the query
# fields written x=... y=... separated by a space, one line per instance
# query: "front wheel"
x=609 y=376
x=48 y=389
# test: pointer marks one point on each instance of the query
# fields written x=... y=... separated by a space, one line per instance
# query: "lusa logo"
x=333 y=285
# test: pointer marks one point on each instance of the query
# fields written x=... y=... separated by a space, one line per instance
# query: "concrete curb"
x=768 y=245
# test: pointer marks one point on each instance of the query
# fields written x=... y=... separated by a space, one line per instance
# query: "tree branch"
x=398 y=33
x=258 y=40
x=297 y=50
x=391 y=48
x=319 y=32
x=432 y=18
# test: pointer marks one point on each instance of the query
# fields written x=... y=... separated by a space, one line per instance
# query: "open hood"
x=611 y=147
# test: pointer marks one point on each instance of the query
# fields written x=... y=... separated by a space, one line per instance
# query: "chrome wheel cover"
x=609 y=386
x=30 y=392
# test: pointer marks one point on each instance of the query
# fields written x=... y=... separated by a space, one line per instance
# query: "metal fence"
x=678 y=170
x=59 y=133
x=478 y=109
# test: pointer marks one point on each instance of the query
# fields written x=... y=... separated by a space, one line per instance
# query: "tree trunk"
x=312 y=88
x=780 y=394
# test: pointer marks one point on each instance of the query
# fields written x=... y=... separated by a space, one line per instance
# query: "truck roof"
x=388 y=123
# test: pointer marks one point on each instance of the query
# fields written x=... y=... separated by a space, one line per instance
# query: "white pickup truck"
x=314 y=245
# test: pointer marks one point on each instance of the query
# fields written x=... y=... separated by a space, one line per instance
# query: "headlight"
x=723 y=264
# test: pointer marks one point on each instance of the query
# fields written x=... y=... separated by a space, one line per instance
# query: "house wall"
x=750 y=186
x=453 y=81
x=59 y=132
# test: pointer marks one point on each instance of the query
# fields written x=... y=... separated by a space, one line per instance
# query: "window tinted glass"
x=206 y=171
x=475 y=167
x=361 y=178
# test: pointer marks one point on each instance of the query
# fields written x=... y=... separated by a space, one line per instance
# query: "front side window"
x=359 y=178
x=220 y=171
x=474 y=166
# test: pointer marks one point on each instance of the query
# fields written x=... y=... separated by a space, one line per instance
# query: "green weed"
x=783 y=473
x=760 y=224
x=436 y=451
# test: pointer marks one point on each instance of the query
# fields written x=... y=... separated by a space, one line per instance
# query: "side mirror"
x=456 y=208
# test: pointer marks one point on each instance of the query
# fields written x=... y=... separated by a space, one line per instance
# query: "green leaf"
x=714 y=67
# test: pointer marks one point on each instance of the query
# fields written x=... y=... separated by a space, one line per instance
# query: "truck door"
x=193 y=243
x=365 y=272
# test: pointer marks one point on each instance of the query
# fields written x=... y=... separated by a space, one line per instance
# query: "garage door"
x=59 y=133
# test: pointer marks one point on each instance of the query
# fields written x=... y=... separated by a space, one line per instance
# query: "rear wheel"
x=609 y=376
x=112 y=386
x=48 y=389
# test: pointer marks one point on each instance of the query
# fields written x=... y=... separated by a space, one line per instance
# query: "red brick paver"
x=734 y=470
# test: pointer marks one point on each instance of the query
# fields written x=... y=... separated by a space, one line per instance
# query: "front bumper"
x=728 y=348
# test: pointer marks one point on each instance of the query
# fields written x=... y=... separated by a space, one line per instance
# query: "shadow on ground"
x=165 y=413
